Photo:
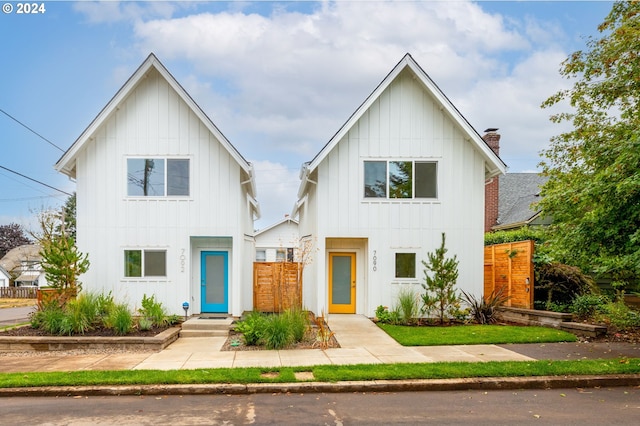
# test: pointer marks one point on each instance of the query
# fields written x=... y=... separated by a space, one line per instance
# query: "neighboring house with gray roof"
x=518 y=194
x=22 y=263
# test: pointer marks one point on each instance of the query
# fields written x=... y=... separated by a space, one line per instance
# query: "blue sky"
x=277 y=78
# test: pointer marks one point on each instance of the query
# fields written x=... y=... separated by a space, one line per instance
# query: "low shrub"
x=153 y=311
x=252 y=328
x=559 y=284
x=586 y=306
x=144 y=324
x=620 y=316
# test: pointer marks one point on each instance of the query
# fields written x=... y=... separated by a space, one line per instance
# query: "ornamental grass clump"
x=482 y=309
x=277 y=333
x=120 y=319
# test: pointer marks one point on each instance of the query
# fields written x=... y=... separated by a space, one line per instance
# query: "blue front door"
x=214 y=281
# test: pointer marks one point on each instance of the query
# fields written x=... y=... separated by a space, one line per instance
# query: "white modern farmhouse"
x=405 y=168
x=165 y=203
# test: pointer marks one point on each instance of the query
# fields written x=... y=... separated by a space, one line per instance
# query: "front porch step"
x=207 y=326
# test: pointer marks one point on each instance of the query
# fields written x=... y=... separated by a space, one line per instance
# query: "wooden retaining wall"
x=277 y=286
x=510 y=266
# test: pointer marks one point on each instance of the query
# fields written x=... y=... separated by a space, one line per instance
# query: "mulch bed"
x=235 y=342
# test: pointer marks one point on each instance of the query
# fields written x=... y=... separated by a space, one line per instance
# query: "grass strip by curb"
x=325 y=373
x=474 y=335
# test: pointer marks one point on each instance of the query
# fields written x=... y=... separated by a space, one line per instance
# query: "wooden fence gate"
x=510 y=266
x=277 y=286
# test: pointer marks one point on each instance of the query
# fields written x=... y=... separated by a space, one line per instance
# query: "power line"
x=30 y=129
x=34 y=180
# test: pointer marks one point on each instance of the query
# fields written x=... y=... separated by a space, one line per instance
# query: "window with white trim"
x=145 y=263
x=157 y=177
x=405 y=265
x=400 y=179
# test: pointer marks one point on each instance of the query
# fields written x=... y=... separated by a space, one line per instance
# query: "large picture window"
x=400 y=179
x=157 y=177
x=145 y=263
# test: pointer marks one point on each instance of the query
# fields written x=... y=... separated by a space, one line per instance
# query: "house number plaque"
x=375 y=261
x=183 y=260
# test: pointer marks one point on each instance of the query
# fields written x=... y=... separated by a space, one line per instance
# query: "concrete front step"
x=204 y=333
x=206 y=327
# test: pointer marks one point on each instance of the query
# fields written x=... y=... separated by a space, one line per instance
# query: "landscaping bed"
x=25 y=339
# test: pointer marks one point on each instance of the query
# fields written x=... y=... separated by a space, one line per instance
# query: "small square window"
x=261 y=255
x=405 y=265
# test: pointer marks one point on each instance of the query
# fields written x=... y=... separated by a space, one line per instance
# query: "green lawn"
x=325 y=373
x=474 y=335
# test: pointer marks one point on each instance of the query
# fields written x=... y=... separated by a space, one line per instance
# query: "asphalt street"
x=570 y=406
x=12 y=316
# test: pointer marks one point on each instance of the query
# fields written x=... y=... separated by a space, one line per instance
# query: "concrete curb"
x=481 y=383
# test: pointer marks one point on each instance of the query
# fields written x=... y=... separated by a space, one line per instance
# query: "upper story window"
x=157 y=177
x=400 y=179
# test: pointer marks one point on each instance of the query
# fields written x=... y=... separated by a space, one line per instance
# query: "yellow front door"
x=342 y=283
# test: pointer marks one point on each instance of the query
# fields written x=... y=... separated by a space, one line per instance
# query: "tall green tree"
x=440 y=277
x=593 y=192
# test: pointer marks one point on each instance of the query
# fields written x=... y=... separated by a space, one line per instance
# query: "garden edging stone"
x=62 y=343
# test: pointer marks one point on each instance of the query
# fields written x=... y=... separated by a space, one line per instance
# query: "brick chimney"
x=491 y=188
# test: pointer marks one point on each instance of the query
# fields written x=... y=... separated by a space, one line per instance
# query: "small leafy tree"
x=62 y=262
x=440 y=295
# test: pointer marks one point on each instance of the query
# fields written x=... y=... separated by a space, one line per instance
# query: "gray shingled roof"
x=517 y=191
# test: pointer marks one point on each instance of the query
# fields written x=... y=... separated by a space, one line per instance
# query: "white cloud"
x=115 y=11
x=280 y=85
x=277 y=186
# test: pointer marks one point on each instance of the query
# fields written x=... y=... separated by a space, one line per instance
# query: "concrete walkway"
x=361 y=341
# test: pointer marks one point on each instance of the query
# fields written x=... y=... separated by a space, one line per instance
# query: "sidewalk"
x=361 y=341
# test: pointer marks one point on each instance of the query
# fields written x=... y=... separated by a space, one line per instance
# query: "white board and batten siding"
x=405 y=122
x=153 y=120
x=281 y=236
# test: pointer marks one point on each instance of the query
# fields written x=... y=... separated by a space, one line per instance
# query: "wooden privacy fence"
x=18 y=292
x=277 y=286
x=510 y=266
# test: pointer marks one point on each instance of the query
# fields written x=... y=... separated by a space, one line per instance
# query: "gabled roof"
x=4 y=272
x=275 y=225
x=66 y=163
x=495 y=166
x=517 y=193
